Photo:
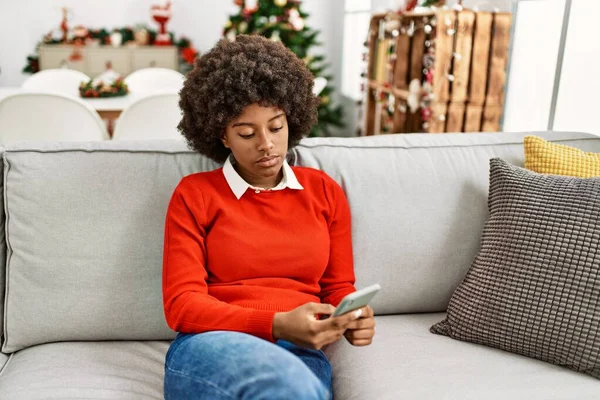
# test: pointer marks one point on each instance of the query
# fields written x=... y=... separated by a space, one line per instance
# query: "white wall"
x=534 y=62
x=577 y=105
x=534 y=55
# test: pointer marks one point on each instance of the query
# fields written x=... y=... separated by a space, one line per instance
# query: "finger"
x=359 y=334
x=342 y=321
x=328 y=337
x=359 y=343
x=362 y=323
x=321 y=308
x=368 y=312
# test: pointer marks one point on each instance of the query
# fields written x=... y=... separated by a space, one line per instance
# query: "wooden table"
x=111 y=107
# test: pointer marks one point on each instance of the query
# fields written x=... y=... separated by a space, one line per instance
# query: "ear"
x=224 y=141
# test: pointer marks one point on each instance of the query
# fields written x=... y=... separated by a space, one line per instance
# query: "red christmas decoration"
x=189 y=54
x=64 y=27
x=411 y=5
x=426 y=113
x=429 y=76
x=161 y=14
x=76 y=55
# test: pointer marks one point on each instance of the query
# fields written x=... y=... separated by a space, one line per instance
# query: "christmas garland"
x=187 y=53
x=117 y=88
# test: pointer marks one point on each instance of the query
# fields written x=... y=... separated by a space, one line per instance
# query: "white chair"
x=62 y=80
x=151 y=80
x=48 y=117
x=155 y=116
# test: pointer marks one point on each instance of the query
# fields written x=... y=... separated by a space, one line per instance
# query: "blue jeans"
x=233 y=365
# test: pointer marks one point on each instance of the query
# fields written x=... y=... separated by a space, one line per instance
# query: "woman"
x=255 y=252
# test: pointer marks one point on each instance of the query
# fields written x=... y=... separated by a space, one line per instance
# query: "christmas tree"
x=283 y=20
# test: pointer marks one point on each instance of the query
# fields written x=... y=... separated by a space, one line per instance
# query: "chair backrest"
x=62 y=80
x=152 y=117
x=154 y=80
x=48 y=117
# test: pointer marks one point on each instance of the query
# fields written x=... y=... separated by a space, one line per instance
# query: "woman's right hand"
x=302 y=327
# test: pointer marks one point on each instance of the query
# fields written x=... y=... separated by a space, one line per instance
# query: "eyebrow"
x=251 y=124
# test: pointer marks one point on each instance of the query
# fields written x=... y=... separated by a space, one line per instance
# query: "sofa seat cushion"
x=406 y=361
x=86 y=370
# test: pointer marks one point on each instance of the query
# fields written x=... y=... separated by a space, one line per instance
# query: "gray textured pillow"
x=534 y=287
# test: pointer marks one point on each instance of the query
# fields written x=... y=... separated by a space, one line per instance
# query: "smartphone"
x=355 y=300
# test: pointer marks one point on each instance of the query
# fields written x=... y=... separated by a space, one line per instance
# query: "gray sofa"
x=82 y=309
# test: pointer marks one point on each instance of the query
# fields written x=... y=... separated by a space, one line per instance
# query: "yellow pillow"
x=559 y=159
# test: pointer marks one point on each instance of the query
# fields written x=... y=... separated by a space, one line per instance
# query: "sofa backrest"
x=2 y=250
x=418 y=204
x=85 y=226
x=85 y=223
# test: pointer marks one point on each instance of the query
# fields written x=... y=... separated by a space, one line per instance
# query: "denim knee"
x=288 y=380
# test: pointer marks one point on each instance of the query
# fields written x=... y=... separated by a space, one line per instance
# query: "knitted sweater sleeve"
x=188 y=307
x=338 y=279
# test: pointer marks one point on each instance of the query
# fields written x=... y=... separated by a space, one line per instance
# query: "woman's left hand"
x=361 y=331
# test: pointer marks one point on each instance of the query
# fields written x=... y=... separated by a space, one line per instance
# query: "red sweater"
x=231 y=264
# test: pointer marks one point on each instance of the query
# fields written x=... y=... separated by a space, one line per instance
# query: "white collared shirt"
x=239 y=186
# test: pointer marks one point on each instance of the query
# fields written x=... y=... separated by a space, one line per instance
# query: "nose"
x=265 y=143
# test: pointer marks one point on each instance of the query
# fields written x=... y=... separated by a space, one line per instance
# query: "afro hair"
x=236 y=74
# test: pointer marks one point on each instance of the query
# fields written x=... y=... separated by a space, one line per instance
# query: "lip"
x=267 y=161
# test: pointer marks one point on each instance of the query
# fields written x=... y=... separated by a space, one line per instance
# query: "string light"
x=395 y=27
x=411 y=29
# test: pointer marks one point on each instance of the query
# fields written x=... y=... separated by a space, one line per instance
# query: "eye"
x=246 y=136
x=277 y=129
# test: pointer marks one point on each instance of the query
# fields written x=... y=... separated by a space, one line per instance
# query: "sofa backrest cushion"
x=85 y=228
x=418 y=204
x=2 y=250
x=85 y=225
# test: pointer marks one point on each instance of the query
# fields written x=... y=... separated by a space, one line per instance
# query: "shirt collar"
x=239 y=186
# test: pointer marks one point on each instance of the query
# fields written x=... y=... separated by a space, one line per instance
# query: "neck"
x=267 y=182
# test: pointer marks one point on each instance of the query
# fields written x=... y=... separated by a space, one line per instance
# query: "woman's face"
x=258 y=139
